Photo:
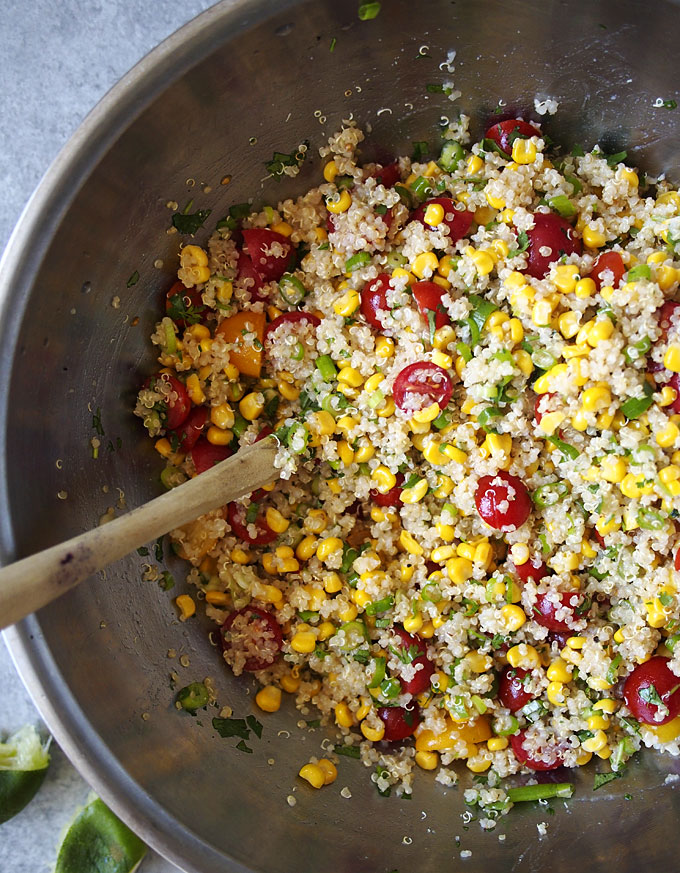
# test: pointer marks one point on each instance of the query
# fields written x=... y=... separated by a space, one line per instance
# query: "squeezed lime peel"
x=23 y=766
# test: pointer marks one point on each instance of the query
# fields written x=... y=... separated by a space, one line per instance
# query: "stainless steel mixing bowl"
x=243 y=80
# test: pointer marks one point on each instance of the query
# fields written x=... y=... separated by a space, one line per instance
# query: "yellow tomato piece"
x=246 y=331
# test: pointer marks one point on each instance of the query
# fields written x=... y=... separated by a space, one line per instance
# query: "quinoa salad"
x=472 y=365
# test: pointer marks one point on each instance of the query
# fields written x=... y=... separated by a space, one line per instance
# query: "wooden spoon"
x=33 y=582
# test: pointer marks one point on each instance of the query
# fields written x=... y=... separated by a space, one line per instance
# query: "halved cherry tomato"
x=503 y=501
x=256 y=628
x=611 y=261
x=266 y=431
x=544 y=610
x=511 y=689
x=458 y=221
x=184 y=305
x=205 y=455
x=551 y=755
x=373 y=300
x=400 y=722
x=178 y=406
x=409 y=643
x=420 y=385
x=533 y=569
x=271 y=253
x=676 y=563
x=188 y=433
x=651 y=692
x=428 y=296
x=667 y=315
x=246 y=270
x=550 y=232
x=674 y=382
x=504 y=133
x=388 y=175
x=291 y=318
x=544 y=403
x=245 y=330
x=236 y=516
x=391 y=497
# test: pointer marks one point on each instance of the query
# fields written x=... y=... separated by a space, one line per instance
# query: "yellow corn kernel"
x=459 y=570
x=330 y=171
x=252 y=406
x=595 y=743
x=671 y=360
x=347 y=304
x=223 y=292
x=217 y=598
x=434 y=214
x=516 y=331
x=313 y=774
x=194 y=390
x=446 y=532
x=546 y=382
x=321 y=234
x=632 y=485
x=328 y=547
x=350 y=376
x=599 y=685
x=466 y=550
x=478 y=663
x=606 y=705
x=515 y=281
x=231 y=372
x=373 y=382
x=163 y=447
x=290 y=683
x=222 y=416
x=303 y=642
x=277 y=522
x=579 y=421
x=283 y=228
x=669 y=474
x=406 y=571
x=339 y=204
x=271 y=594
x=613 y=469
x=287 y=391
x=427 y=760
x=656 y=616
x=194 y=268
x=383 y=479
x=269 y=698
x=240 y=556
x=523 y=656
x=494 y=202
x=343 y=715
x=330 y=771
x=595 y=399
x=306 y=548
x=477 y=764
x=555 y=693
x=323 y=423
x=483 y=555
x=598 y=723
x=524 y=151
x=558 y=671
x=513 y=617
x=197 y=332
x=551 y=421
x=444 y=486
x=186 y=606
x=365 y=451
x=593 y=238
x=433 y=455
x=374 y=734
x=497 y=744
x=565 y=278
x=360 y=598
x=425 y=264
x=345 y=453
x=413 y=623
x=667 y=436
x=541 y=313
x=600 y=331
x=474 y=164
x=483 y=261
x=629 y=176
x=666 y=276
x=408 y=542
x=668 y=395
x=672 y=197
x=384 y=347
x=568 y=324
x=523 y=361
x=459 y=366
x=332 y=583
x=429 y=413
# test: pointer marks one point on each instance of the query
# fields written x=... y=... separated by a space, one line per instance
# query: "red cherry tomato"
x=504 y=133
x=421 y=681
x=388 y=175
x=180 y=300
x=391 y=497
x=503 y=501
x=643 y=700
x=271 y=253
x=428 y=296
x=676 y=563
x=246 y=270
x=373 y=300
x=400 y=722
x=178 y=404
x=611 y=261
x=458 y=221
x=533 y=569
x=511 y=690
x=420 y=385
x=188 y=433
x=674 y=382
x=550 y=756
x=266 y=431
x=544 y=403
x=291 y=318
x=544 y=611
x=236 y=515
x=205 y=455
x=667 y=315
x=247 y=629
x=553 y=233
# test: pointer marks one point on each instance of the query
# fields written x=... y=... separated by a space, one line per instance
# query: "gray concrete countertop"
x=57 y=60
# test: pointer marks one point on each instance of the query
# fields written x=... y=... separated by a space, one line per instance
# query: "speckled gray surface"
x=57 y=60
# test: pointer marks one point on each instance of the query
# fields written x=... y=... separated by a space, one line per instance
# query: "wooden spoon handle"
x=32 y=582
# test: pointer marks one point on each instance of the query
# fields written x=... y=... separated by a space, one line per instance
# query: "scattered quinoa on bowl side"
x=473 y=369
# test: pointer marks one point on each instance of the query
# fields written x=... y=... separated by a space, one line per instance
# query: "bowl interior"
x=242 y=81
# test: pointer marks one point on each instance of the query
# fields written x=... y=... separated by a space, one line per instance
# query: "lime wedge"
x=23 y=765
x=98 y=842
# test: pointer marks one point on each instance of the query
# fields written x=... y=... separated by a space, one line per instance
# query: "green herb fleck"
x=134 y=278
x=190 y=223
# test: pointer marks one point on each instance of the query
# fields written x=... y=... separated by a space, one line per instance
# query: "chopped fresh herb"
x=314 y=723
x=604 y=778
x=255 y=726
x=347 y=751
x=231 y=727
x=368 y=11
x=613 y=160
x=471 y=607
x=650 y=695
x=242 y=747
x=578 y=152
x=281 y=160
x=451 y=155
x=97 y=422
x=143 y=551
x=158 y=549
x=381 y=209
x=420 y=149
x=134 y=278
x=190 y=223
x=562 y=205
x=481 y=310
x=167 y=581
x=251 y=513
x=433 y=88
x=522 y=244
x=612 y=672
x=666 y=104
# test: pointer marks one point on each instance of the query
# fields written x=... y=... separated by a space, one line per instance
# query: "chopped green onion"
x=193 y=696
x=170 y=336
x=649 y=519
x=368 y=11
x=297 y=438
x=613 y=671
x=380 y=605
x=613 y=160
x=464 y=351
x=639 y=271
x=390 y=688
x=360 y=259
x=506 y=726
x=378 y=672
x=550 y=494
x=635 y=406
x=421 y=187
x=451 y=155
x=637 y=350
x=543 y=791
x=395 y=259
x=442 y=420
x=568 y=451
x=575 y=183
x=239 y=425
x=481 y=310
x=297 y=353
x=376 y=399
x=292 y=290
x=327 y=368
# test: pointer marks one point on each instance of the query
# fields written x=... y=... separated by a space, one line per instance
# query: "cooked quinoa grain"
x=473 y=369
